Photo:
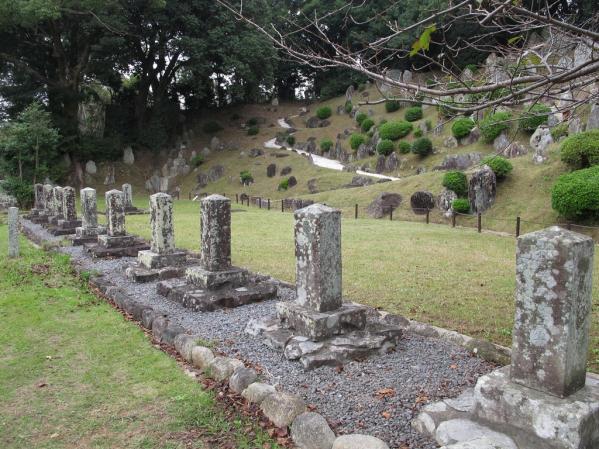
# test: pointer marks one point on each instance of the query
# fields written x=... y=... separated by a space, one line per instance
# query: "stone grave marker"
x=13 y=232
x=89 y=230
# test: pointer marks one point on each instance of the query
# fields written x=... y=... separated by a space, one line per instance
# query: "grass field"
x=454 y=278
x=76 y=374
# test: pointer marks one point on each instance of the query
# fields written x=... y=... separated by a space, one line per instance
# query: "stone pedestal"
x=38 y=209
x=116 y=242
x=46 y=201
x=318 y=328
x=130 y=209
x=214 y=283
x=162 y=260
x=544 y=398
x=89 y=230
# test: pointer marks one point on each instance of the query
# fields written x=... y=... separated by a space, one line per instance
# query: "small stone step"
x=464 y=431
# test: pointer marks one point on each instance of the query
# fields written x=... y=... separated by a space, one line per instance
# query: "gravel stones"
x=257 y=392
x=358 y=441
x=201 y=357
x=311 y=431
x=242 y=377
x=282 y=408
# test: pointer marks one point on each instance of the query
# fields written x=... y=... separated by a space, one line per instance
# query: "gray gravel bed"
x=421 y=370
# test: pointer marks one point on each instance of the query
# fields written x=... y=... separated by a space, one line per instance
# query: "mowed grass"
x=453 y=278
x=76 y=374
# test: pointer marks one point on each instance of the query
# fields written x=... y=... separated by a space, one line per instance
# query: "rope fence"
x=515 y=226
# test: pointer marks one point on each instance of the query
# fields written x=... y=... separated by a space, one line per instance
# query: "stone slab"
x=127 y=251
x=320 y=325
x=232 y=277
x=142 y=275
x=151 y=260
x=117 y=241
x=201 y=300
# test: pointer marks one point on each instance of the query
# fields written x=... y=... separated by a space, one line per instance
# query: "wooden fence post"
x=428 y=213
x=269 y=204
x=282 y=205
x=237 y=198
x=391 y=213
x=453 y=220
x=517 y=226
x=259 y=202
x=479 y=224
x=356 y=212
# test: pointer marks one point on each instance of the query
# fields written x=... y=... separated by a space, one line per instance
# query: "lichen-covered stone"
x=68 y=204
x=184 y=345
x=421 y=202
x=13 y=232
x=241 y=378
x=311 y=431
x=282 y=408
x=127 y=196
x=161 y=223
x=318 y=257
x=115 y=213
x=39 y=198
x=221 y=368
x=57 y=206
x=48 y=195
x=201 y=357
x=257 y=392
x=89 y=208
x=215 y=221
x=553 y=310
x=482 y=189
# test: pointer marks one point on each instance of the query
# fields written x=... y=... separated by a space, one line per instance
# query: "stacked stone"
x=89 y=230
x=13 y=232
x=162 y=252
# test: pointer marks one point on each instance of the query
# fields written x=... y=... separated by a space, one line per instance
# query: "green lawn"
x=454 y=278
x=75 y=374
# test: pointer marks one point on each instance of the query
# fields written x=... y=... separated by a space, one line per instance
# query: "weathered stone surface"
x=13 y=232
x=501 y=142
x=450 y=142
x=575 y=125
x=255 y=152
x=285 y=171
x=48 y=198
x=311 y=431
x=482 y=189
x=115 y=213
x=478 y=443
x=459 y=161
x=215 y=221
x=271 y=170
x=89 y=206
x=149 y=260
x=221 y=368
x=421 y=202
x=282 y=408
x=541 y=138
x=241 y=378
x=380 y=164
x=514 y=149
x=90 y=168
x=57 y=205
x=161 y=223
x=445 y=201
x=360 y=181
x=471 y=138
x=593 y=121
x=39 y=199
x=127 y=196
x=570 y=423
x=216 y=172
x=318 y=257
x=553 y=311
x=357 y=441
x=211 y=280
x=383 y=204
x=257 y=392
x=391 y=162
x=128 y=156
x=69 y=210
x=462 y=430
x=201 y=357
x=184 y=345
x=292 y=181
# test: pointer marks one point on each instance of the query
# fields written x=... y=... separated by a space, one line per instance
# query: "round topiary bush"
x=291 y=140
x=581 y=150
x=417 y=132
x=197 y=160
x=348 y=106
x=500 y=166
x=253 y=130
x=462 y=127
x=283 y=185
x=535 y=116
x=492 y=125
x=356 y=140
x=392 y=105
x=422 y=146
x=246 y=177
x=395 y=130
x=326 y=145
x=461 y=206
x=324 y=112
x=360 y=117
x=457 y=182
x=576 y=195
x=414 y=113
x=404 y=147
x=385 y=147
x=367 y=124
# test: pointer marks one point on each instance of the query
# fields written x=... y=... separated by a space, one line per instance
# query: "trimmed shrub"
x=417 y=132
x=252 y=122
x=385 y=147
x=211 y=127
x=360 y=117
x=324 y=112
x=197 y=160
x=253 y=130
x=559 y=131
x=414 y=113
x=422 y=146
x=457 y=182
x=356 y=140
x=284 y=184
x=367 y=124
x=392 y=105
x=246 y=177
x=492 y=125
x=348 y=106
x=429 y=124
x=291 y=140
x=395 y=130
x=537 y=115
x=404 y=147
x=22 y=190
x=461 y=206
x=326 y=144
x=462 y=127
x=576 y=195
x=500 y=166
x=581 y=150
x=383 y=121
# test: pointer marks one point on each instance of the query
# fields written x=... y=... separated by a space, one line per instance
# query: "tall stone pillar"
x=318 y=257
x=13 y=232
x=39 y=200
x=115 y=213
x=162 y=252
x=48 y=195
x=128 y=196
x=89 y=208
x=68 y=204
x=553 y=311
x=57 y=207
